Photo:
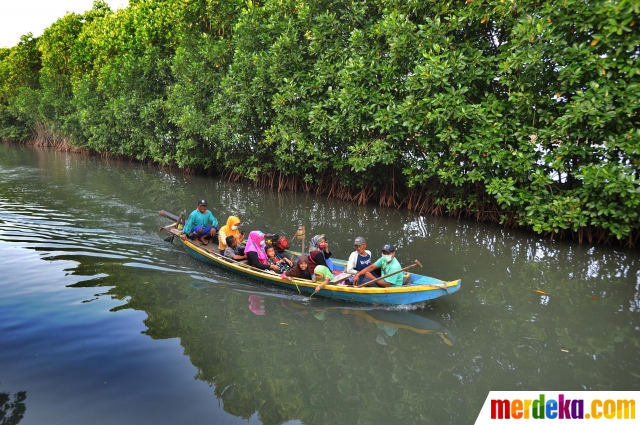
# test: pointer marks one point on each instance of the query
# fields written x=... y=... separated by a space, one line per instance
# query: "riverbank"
x=421 y=200
x=374 y=102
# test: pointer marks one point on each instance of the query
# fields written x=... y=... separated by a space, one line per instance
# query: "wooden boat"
x=418 y=288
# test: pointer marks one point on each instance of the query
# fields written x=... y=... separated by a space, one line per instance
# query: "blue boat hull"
x=420 y=289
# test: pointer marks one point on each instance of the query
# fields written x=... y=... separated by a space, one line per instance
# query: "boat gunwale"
x=399 y=295
x=247 y=269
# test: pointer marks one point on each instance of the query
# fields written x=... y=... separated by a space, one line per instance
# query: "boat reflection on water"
x=285 y=357
x=405 y=320
x=389 y=321
x=256 y=305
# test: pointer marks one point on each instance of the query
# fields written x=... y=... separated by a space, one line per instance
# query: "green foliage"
x=19 y=73
x=119 y=100
x=525 y=110
x=196 y=102
x=62 y=61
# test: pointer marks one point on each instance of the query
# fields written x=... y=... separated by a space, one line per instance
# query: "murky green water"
x=102 y=321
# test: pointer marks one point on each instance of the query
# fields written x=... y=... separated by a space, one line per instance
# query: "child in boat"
x=285 y=264
x=323 y=275
x=232 y=251
x=300 y=270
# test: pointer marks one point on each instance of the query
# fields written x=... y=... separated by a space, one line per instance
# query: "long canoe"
x=418 y=288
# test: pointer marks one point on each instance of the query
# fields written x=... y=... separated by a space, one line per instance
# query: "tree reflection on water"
x=318 y=362
x=12 y=412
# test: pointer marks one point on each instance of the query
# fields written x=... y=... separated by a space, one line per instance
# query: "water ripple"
x=57 y=236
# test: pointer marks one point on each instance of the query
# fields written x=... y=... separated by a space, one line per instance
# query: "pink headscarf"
x=253 y=245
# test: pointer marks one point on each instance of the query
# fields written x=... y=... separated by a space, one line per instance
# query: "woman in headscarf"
x=314 y=243
x=323 y=275
x=254 y=251
x=319 y=252
x=300 y=270
x=230 y=229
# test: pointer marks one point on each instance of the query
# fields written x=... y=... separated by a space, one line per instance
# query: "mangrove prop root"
x=423 y=201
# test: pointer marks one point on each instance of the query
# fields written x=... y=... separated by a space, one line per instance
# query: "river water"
x=103 y=321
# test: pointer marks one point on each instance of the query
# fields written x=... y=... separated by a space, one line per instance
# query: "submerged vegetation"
x=523 y=113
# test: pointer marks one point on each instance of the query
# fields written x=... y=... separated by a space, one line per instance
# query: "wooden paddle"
x=178 y=219
x=415 y=263
x=299 y=234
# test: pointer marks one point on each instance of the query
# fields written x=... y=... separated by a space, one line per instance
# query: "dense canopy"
x=524 y=113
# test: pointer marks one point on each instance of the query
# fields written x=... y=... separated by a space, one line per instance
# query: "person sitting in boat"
x=255 y=252
x=359 y=260
x=231 y=229
x=283 y=264
x=280 y=245
x=319 y=252
x=323 y=275
x=316 y=258
x=387 y=264
x=200 y=225
x=232 y=251
x=300 y=270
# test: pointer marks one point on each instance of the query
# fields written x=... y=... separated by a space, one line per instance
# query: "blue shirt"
x=362 y=261
x=196 y=218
